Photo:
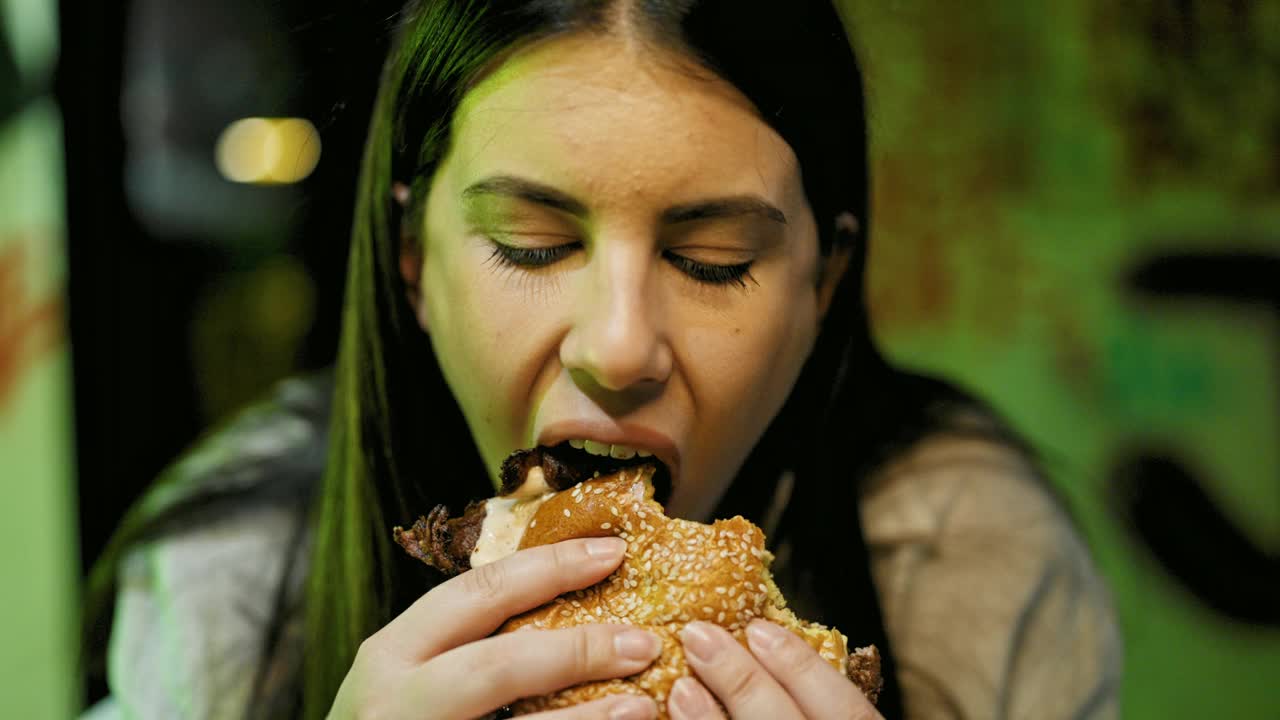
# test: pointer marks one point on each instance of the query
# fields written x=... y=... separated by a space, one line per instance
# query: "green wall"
x=37 y=521
x=1026 y=158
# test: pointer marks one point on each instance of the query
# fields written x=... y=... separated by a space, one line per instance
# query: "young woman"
x=640 y=223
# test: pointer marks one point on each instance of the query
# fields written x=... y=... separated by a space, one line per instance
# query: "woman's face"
x=617 y=249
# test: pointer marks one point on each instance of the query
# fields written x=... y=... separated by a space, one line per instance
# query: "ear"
x=410 y=253
x=836 y=261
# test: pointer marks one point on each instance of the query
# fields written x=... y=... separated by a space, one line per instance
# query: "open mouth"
x=584 y=465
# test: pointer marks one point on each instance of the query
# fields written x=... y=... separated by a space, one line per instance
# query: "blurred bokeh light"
x=267 y=151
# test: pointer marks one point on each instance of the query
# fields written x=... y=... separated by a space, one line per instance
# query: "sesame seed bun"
x=673 y=572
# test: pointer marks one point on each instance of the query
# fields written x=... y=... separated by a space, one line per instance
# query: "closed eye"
x=706 y=273
x=530 y=257
x=710 y=273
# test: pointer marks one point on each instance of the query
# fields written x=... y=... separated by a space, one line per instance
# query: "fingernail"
x=699 y=642
x=637 y=645
x=689 y=699
x=633 y=708
x=605 y=548
x=764 y=636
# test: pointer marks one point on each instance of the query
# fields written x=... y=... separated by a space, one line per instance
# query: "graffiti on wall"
x=1158 y=492
x=1074 y=213
x=30 y=324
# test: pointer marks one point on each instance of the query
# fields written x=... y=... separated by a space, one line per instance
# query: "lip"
x=635 y=436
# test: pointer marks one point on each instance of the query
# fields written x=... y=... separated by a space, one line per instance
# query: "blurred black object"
x=1235 y=278
x=1159 y=498
x=1166 y=507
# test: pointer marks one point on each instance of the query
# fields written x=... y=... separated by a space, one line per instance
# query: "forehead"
x=614 y=121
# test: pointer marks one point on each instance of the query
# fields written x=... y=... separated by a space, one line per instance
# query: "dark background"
x=148 y=269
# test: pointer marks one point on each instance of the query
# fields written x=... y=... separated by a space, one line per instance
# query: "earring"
x=847 y=224
x=401 y=193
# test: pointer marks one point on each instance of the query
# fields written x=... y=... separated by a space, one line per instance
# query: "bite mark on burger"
x=673 y=572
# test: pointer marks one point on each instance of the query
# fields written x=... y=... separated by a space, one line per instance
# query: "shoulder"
x=947 y=483
x=222 y=557
x=271 y=450
x=192 y=610
x=992 y=602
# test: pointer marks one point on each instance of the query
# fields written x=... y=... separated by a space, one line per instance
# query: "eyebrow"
x=534 y=192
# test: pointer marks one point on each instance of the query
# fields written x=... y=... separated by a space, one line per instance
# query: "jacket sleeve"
x=992 y=604
x=191 y=611
x=193 y=602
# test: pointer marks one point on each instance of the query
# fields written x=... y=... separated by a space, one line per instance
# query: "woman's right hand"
x=436 y=660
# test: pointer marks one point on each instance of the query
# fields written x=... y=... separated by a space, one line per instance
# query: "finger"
x=479 y=676
x=734 y=676
x=819 y=689
x=472 y=605
x=618 y=707
x=689 y=700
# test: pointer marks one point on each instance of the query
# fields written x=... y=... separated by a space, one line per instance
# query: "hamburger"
x=673 y=571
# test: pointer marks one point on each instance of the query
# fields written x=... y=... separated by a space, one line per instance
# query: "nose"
x=617 y=346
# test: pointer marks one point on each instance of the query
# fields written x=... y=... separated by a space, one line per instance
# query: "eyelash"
x=706 y=273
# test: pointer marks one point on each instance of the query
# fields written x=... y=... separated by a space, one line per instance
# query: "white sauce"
x=534 y=485
x=505 y=519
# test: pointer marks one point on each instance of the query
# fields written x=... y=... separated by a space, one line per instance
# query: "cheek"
x=744 y=369
x=485 y=334
x=467 y=308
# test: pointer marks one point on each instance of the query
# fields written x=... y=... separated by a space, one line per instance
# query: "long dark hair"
x=396 y=424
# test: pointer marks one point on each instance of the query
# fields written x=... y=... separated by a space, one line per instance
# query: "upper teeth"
x=621 y=452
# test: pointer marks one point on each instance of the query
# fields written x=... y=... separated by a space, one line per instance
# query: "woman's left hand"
x=780 y=678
